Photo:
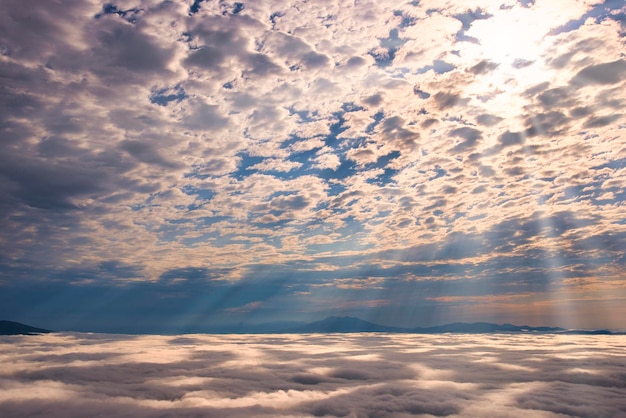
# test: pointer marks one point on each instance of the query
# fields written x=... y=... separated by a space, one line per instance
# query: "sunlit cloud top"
x=187 y=163
x=235 y=376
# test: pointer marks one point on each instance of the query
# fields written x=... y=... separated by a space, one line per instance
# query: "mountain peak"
x=332 y=324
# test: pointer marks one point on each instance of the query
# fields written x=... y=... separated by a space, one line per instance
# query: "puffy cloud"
x=311 y=375
x=606 y=73
x=195 y=146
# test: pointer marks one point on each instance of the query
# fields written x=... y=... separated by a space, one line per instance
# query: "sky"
x=356 y=375
x=180 y=166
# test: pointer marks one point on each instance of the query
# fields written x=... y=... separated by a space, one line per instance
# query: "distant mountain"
x=483 y=328
x=350 y=324
x=592 y=332
x=15 y=328
x=342 y=324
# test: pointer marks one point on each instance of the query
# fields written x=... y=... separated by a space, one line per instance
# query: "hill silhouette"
x=482 y=328
x=347 y=324
x=342 y=324
x=15 y=328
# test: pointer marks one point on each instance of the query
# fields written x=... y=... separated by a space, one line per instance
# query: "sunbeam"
x=197 y=166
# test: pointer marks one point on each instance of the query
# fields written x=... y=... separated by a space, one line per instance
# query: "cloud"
x=318 y=375
x=483 y=67
x=175 y=160
x=146 y=153
x=446 y=100
x=121 y=46
x=488 y=120
x=606 y=73
x=470 y=136
x=508 y=139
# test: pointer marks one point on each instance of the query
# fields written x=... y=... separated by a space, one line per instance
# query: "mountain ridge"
x=343 y=324
x=347 y=324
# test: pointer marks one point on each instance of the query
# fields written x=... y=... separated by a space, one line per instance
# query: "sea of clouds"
x=334 y=375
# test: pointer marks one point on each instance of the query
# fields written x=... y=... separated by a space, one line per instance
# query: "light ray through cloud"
x=207 y=166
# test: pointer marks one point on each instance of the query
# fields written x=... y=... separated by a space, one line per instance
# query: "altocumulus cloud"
x=194 y=162
x=373 y=375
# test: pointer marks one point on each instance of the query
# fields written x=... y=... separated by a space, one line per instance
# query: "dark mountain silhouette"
x=347 y=324
x=15 y=328
x=592 y=332
x=342 y=324
x=350 y=324
x=482 y=328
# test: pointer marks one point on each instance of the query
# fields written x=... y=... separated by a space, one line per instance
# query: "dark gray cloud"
x=122 y=46
x=190 y=273
x=445 y=100
x=52 y=185
x=488 y=120
x=146 y=152
x=509 y=138
x=394 y=130
x=30 y=30
x=559 y=96
x=547 y=124
x=216 y=42
x=600 y=121
x=206 y=116
x=469 y=135
x=483 y=67
x=602 y=74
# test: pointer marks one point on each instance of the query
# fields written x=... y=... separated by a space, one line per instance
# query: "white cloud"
x=311 y=375
x=151 y=135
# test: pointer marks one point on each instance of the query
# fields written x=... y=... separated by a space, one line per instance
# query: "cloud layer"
x=373 y=375
x=415 y=163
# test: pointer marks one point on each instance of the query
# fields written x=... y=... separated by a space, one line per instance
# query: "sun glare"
x=510 y=46
x=510 y=38
x=508 y=41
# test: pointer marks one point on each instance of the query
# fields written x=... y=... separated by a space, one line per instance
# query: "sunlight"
x=511 y=38
x=507 y=53
x=219 y=167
